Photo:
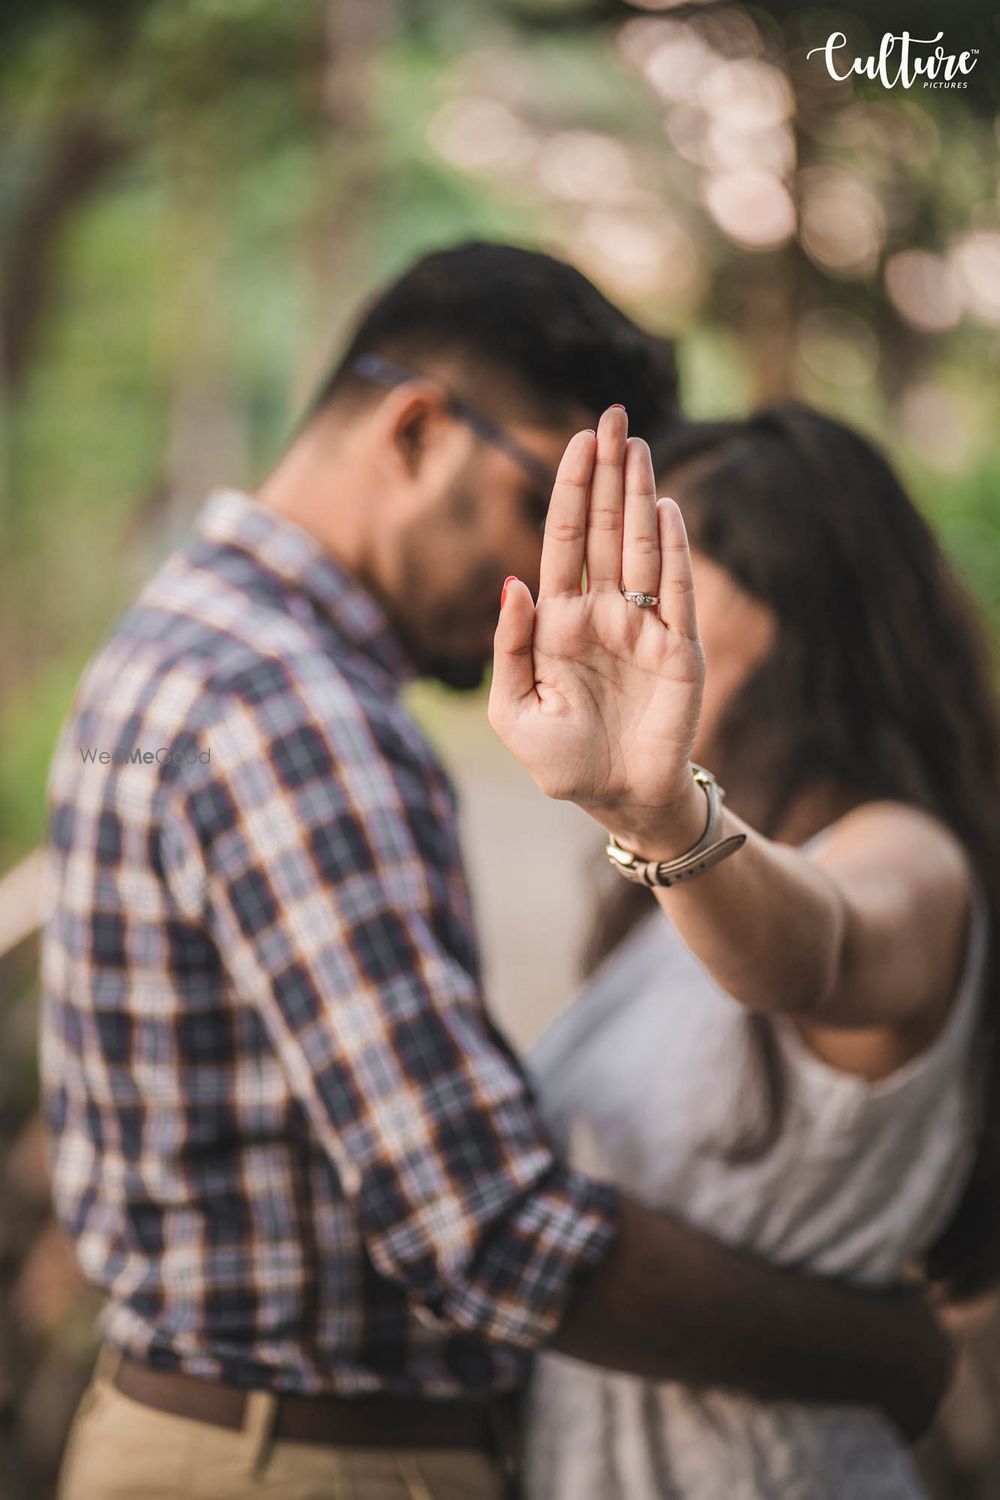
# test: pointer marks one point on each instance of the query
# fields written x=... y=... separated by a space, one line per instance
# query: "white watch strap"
x=708 y=851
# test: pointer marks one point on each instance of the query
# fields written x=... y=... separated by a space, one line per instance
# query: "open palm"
x=597 y=696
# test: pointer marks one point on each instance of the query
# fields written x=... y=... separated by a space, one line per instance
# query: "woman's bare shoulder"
x=907 y=881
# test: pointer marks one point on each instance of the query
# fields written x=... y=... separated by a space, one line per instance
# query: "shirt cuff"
x=529 y=1266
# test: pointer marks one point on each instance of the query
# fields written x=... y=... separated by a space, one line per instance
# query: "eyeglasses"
x=386 y=373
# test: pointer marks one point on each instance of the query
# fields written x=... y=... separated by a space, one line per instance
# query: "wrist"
x=668 y=832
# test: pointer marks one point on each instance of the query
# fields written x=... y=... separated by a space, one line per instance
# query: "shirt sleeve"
x=326 y=878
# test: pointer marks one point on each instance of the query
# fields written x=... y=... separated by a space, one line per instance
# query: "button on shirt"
x=287 y=1140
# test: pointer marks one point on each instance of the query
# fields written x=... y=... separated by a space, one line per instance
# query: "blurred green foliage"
x=194 y=197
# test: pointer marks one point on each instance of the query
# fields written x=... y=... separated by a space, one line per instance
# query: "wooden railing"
x=20 y=902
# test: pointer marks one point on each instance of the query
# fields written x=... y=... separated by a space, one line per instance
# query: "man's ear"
x=410 y=417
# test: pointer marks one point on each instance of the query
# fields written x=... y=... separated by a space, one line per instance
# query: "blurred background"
x=193 y=197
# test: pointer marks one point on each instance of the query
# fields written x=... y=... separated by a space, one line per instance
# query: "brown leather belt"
x=372 y=1421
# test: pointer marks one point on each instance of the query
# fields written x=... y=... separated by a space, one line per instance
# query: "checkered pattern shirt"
x=287 y=1140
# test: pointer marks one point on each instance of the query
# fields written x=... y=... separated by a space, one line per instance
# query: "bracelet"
x=708 y=851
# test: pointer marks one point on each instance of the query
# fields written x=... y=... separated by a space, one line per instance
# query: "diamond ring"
x=644 y=601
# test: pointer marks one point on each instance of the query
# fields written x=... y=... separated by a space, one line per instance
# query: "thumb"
x=513 y=662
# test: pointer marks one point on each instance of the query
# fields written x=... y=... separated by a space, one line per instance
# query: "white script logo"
x=898 y=62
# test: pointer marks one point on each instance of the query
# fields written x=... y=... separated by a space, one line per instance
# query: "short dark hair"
x=525 y=326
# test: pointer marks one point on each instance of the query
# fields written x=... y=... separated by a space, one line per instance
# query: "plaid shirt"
x=287 y=1140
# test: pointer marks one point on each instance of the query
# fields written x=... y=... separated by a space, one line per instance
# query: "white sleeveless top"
x=648 y=1079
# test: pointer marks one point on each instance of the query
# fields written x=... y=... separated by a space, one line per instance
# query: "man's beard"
x=462 y=675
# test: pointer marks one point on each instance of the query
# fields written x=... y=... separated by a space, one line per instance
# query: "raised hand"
x=598 y=697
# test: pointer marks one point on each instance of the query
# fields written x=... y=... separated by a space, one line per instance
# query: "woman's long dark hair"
x=878 y=684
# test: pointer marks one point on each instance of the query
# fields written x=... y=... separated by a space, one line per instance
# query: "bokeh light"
x=749 y=94
x=753 y=209
x=936 y=426
x=838 y=347
x=480 y=134
x=924 y=289
x=976 y=260
x=585 y=167
x=843 y=222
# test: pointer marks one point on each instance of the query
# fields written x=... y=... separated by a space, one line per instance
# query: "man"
x=289 y=1144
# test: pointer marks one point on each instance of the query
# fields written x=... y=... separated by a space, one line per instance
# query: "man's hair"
x=527 y=330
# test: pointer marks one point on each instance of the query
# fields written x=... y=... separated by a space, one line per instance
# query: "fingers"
x=641 y=546
x=513 y=660
x=563 y=549
x=676 y=588
x=605 y=516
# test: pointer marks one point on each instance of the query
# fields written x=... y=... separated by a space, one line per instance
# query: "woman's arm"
x=868 y=933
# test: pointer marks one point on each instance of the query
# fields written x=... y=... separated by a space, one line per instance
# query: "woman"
x=795 y=1045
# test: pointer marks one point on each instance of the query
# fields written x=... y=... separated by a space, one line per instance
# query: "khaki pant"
x=119 y=1449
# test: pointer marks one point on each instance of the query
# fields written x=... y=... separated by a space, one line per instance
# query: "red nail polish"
x=511 y=578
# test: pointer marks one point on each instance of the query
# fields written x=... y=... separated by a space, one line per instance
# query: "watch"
x=708 y=851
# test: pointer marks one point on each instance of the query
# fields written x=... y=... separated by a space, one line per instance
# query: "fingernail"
x=617 y=406
x=511 y=578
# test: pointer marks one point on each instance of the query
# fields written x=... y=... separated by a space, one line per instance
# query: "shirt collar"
x=283 y=548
